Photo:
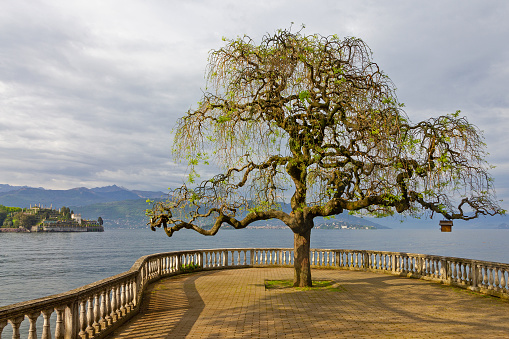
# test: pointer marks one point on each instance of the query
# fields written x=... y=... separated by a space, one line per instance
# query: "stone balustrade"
x=95 y=310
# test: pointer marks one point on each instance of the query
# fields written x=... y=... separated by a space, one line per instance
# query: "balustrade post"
x=46 y=330
x=90 y=316
x=107 y=308
x=15 y=323
x=123 y=310
x=136 y=286
x=71 y=321
x=179 y=263
x=119 y=302
x=444 y=272
x=503 y=281
x=32 y=332
x=490 y=278
x=83 y=320
x=129 y=296
x=453 y=272
x=97 y=315
x=114 y=304
x=225 y=258
x=59 y=327
x=102 y=318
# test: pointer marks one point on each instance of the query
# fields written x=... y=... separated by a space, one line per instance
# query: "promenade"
x=235 y=304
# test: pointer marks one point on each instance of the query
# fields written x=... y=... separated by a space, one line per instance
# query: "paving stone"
x=235 y=304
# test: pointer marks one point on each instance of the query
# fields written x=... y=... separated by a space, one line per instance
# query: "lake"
x=34 y=265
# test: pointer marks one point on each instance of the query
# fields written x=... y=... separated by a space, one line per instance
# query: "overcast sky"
x=90 y=90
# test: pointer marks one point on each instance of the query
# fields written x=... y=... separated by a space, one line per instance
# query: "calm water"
x=37 y=265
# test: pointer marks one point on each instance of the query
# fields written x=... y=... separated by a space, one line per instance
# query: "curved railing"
x=95 y=310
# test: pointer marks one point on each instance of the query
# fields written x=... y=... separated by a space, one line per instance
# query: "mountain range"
x=124 y=208
x=23 y=196
x=121 y=207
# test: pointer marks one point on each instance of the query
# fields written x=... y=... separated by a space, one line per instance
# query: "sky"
x=91 y=90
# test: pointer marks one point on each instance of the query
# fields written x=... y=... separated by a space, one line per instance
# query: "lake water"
x=40 y=264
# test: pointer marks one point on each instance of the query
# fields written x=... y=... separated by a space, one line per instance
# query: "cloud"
x=90 y=90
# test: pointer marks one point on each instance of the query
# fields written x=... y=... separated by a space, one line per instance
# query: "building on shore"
x=42 y=219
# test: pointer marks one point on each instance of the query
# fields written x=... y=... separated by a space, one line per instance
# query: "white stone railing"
x=95 y=310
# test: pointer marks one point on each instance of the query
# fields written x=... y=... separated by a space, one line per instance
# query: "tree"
x=27 y=220
x=313 y=118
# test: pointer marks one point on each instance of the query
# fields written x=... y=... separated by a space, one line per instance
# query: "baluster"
x=113 y=313
x=122 y=300
x=103 y=310
x=496 y=283
x=107 y=308
x=32 y=332
x=128 y=296
x=119 y=302
x=15 y=323
x=46 y=330
x=83 y=320
x=502 y=283
x=59 y=327
x=97 y=308
x=484 y=273
x=464 y=278
x=453 y=271
x=490 y=274
x=90 y=316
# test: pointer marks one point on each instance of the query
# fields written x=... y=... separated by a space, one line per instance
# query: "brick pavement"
x=235 y=304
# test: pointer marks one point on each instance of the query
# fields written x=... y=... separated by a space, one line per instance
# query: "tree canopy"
x=313 y=119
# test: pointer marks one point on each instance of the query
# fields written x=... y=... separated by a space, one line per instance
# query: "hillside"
x=118 y=214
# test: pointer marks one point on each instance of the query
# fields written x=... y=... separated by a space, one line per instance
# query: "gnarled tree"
x=314 y=119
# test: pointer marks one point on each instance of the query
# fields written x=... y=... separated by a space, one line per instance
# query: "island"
x=43 y=219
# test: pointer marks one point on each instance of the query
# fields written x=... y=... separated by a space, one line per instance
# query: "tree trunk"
x=302 y=265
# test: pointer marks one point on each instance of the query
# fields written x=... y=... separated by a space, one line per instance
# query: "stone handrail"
x=95 y=310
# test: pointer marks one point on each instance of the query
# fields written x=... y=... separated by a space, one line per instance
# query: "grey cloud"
x=90 y=90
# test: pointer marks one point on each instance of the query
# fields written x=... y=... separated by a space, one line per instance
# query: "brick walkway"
x=235 y=304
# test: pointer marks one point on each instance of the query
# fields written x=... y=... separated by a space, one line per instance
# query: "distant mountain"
x=9 y=188
x=483 y=222
x=80 y=196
